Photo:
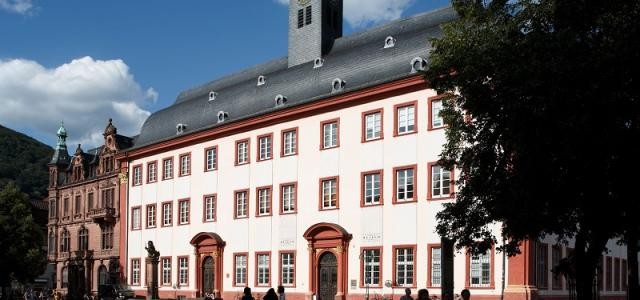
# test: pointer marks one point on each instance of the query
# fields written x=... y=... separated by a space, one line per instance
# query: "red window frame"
x=204 y=208
x=363 y=138
x=155 y=163
x=394 y=263
x=206 y=162
x=430 y=101
x=430 y=248
x=161 y=271
x=139 y=272
x=188 y=201
x=173 y=168
x=363 y=187
x=133 y=208
x=467 y=279
x=452 y=183
x=320 y=190
x=133 y=175
x=282 y=144
x=331 y=121
x=172 y=216
x=246 y=255
x=190 y=166
x=155 y=212
x=379 y=248
x=235 y=160
x=413 y=103
x=259 y=146
x=269 y=189
x=259 y=253
x=395 y=184
x=295 y=198
x=235 y=204
x=295 y=267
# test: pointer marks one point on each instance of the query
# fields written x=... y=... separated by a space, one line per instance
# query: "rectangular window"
x=330 y=134
x=372 y=188
x=167 y=214
x=210 y=208
x=78 y=204
x=53 y=209
x=404 y=184
x=556 y=255
x=404 y=266
x=405 y=119
x=240 y=266
x=435 y=278
x=300 y=18
x=211 y=157
x=242 y=204
x=329 y=193
x=372 y=125
x=65 y=206
x=287 y=268
x=167 y=167
x=152 y=172
x=185 y=164
x=242 y=152
x=441 y=182
x=135 y=271
x=263 y=277
x=371 y=267
x=135 y=218
x=264 y=202
x=308 y=15
x=166 y=271
x=289 y=142
x=183 y=270
x=288 y=198
x=542 y=268
x=184 y=211
x=107 y=237
x=137 y=175
x=151 y=216
x=107 y=197
x=480 y=270
x=436 y=119
x=90 y=201
x=265 y=143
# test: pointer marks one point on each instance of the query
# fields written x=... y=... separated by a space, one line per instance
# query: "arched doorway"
x=208 y=275
x=209 y=248
x=328 y=260
x=327 y=276
x=103 y=275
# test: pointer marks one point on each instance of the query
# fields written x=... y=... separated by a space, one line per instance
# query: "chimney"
x=313 y=27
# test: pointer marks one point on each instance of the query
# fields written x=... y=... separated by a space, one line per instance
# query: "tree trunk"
x=588 y=250
x=446 y=257
x=632 y=265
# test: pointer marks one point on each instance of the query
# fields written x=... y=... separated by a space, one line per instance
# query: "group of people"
x=423 y=294
x=270 y=295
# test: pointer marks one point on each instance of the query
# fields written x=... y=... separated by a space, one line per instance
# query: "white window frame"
x=436 y=119
x=288 y=268
x=136 y=215
x=480 y=270
x=137 y=175
x=371 y=267
x=184 y=209
x=167 y=214
x=242 y=149
x=264 y=202
x=288 y=198
x=183 y=271
x=151 y=216
x=166 y=271
x=405 y=266
x=373 y=126
x=330 y=135
x=263 y=262
x=405 y=185
x=167 y=166
x=289 y=140
x=212 y=158
x=266 y=148
x=153 y=172
x=241 y=200
x=329 y=193
x=240 y=271
x=210 y=208
x=372 y=194
x=185 y=165
x=436 y=266
x=406 y=119
x=135 y=273
x=440 y=182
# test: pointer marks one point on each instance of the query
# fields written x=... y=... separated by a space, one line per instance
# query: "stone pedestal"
x=152 y=277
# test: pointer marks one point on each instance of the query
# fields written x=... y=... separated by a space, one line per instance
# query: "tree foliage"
x=21 y=255
x=544 y=118
x=24 y=161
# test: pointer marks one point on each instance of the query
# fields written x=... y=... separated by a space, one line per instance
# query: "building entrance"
x=327 y=277
x=208 y=275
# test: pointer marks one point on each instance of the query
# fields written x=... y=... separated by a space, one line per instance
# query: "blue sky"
x=85 y=61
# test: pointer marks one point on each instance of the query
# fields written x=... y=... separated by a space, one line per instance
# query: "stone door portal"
x=327 y=277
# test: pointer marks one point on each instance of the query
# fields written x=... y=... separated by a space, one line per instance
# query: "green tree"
x=544 y=119
x=21 y=255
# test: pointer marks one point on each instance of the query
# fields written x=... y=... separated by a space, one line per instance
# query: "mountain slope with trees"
x=24 y=161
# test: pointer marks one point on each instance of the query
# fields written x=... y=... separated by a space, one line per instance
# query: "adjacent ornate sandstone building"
x=84 y=215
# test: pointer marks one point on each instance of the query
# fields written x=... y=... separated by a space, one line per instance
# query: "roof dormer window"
x=212 y=95
x=261 y=80
x=337 y=85
x=222 y=116
x=389 y=42
x=180 y=128
x=318 y=63
x=280 y=100
x=418 y=64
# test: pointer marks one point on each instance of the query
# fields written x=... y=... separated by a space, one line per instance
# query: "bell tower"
x=313 y=27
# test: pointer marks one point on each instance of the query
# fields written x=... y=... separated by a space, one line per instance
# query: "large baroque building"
x=84 y=215
x=318 y=172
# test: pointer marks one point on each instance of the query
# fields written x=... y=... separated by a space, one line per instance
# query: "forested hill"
x=24 y=160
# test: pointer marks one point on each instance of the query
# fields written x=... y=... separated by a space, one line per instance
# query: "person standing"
x=423 y=294
x=271 y=295
x=407 y=295
x=466 y=295
x=247 y=294
x=281 y=295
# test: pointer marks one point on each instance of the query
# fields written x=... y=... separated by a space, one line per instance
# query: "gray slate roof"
x=359 y=59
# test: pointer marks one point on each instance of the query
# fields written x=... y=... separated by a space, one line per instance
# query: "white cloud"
x=84 y=93
x=363 y=13
x=17 y=6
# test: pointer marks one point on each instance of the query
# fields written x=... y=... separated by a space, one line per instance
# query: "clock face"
x=303 y=2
